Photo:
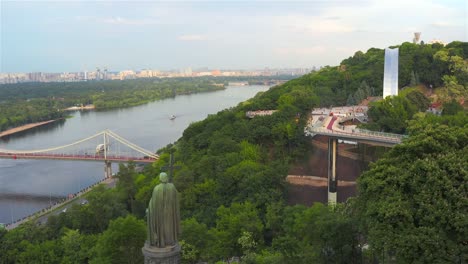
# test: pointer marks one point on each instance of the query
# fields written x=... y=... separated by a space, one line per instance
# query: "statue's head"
x=163 y=177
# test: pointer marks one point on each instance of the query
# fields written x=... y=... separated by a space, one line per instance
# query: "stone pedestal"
x=167 y=255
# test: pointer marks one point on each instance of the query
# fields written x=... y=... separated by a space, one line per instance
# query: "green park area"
x=411 y=204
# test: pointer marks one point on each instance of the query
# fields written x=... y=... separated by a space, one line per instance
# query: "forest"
x=411 y=205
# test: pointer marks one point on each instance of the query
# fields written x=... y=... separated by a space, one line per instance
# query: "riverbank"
x=24 y=127
x=155 y=131
x=76 y=108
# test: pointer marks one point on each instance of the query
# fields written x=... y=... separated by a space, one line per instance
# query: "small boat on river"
x=172 y=117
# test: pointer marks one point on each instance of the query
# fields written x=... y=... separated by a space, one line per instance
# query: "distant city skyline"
x=104 y=74
x=74 y=36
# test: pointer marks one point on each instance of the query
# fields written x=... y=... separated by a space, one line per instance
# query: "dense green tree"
x=77 y=248
x=126 y=184
x=45 y=252
x=413 y=201
x=25 y=239
x=230 y=224
x=419 y=100
x=195 y=239
x=103 y=206
x=121 y=242
x=391 y=114
x=451 y=108
x=319 y=234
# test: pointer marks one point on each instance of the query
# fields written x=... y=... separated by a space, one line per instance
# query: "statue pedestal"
x=167 y=255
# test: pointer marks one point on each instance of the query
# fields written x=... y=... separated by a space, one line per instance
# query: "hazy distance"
x=82 y=35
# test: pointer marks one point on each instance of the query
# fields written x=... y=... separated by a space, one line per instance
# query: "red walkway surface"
x=330 y=125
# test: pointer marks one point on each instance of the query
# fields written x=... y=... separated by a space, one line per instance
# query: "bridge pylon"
x=332 y=179
x=107 y=169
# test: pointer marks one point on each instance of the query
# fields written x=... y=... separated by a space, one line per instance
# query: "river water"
x=27 y=186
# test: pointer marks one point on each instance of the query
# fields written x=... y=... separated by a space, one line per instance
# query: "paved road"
x=57 y=209
x=109 y=183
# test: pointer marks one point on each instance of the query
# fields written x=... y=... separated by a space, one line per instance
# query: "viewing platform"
x=252 y=114
x=326 y=122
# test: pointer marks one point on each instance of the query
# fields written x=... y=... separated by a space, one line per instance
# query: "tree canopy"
x=414 y=201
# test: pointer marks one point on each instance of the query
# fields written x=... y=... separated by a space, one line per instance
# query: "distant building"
x=205 y=74
x=417 y=37
x=128 y=74
x=438 y=41
x=145 y=74
x=188 y=72
x=98 y=74
x=35 y=76
x=390 y=83
x=252 y=114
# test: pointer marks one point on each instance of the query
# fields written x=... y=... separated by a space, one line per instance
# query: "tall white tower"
x=390 y=83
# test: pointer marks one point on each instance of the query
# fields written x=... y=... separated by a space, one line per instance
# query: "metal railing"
x=356 y=133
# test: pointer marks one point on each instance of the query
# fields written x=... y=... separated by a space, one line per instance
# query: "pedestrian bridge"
x=331 y=128
x=359 y=135
x=105 y=146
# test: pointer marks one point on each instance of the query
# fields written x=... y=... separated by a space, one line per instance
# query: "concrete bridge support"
x=332 y=179
x=107 y=169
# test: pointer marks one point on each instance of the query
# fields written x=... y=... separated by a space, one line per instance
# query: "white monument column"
x=390 y=83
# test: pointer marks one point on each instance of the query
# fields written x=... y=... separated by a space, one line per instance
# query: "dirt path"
x=307 y=190
x=24 y=127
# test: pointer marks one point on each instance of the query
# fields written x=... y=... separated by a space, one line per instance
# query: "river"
x=27 y=186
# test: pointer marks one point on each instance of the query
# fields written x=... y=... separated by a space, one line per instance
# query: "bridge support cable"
x=51 y=149
x=332 y=179
x=131 y=145
x=103 y=146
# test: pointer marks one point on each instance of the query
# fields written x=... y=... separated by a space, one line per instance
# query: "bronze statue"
x=163 y=214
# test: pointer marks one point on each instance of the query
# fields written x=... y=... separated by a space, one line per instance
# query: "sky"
x=69 y=36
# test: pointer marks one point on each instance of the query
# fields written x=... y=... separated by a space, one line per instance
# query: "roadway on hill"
x=81 y=200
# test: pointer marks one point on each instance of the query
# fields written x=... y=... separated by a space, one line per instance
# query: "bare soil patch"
x=24 y=127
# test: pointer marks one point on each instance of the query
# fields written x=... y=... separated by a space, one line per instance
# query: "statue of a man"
x=163 y=214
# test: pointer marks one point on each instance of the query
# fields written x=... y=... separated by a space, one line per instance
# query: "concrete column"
x=332 y=180
x=107 y=169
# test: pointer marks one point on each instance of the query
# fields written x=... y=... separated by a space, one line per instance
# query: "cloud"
x=310 y=24
x=442 y=24
x=313 y=50
x=191 y=37
x=370 y=16
x=118 y=20
x=386 y=15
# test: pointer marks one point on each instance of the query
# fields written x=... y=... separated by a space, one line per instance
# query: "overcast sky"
x=57 y=36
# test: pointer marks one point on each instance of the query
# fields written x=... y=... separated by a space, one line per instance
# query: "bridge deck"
x=118 y=159
x=358 y=135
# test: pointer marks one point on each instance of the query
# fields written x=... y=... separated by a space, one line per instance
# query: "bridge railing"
x=379 y=134
x=362 y=133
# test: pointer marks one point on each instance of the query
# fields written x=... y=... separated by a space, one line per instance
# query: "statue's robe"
x=163 y=216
